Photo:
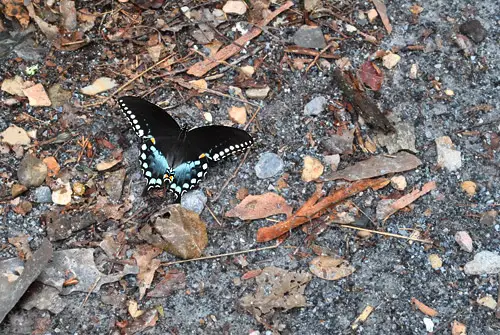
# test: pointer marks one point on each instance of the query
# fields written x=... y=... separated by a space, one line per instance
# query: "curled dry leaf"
x=144 y=256
x=260 y=206
x=313 y=169
x=15 y=135
x=178 y=231
x=371 y=75
x=172 y=281
x=133 y=309
x=52 y=166
x=13 y=86
x=330 y=268
x=103 y=166
x=408 y=199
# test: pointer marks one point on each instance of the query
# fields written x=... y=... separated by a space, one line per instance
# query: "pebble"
x=484 y=262
x=436 y=261
x=464 y=240
x=429 y=325
x=257 y=93
x=269 y=165
x=315 y=106
x=487 y=301
x=333 y=161
x=339 y=144
x=474 y=30
x=194 y=201
x=32 y=171
x=448 y=157
x=37 y=96
x=114 y=184
x=309 y=37
x=238 y=114
x=398 y=182
x=17 y=189
x=62 y=196
x=43 y=194
x=488 y=218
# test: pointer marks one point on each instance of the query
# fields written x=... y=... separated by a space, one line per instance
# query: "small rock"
x=429 y=325
x=37 y=96
x=333 y=161
x=339 y=144
x=469 y=187
x=309 y=37
x=15 y=135
x=194 y=201
x=62 y=196
x=4 y=149
x=13 y=86
x=99 y=85
x=435 y=261
x=313 y=169
x=78 y=189
x=403 y=138
x=398 y=182
x=238 y=114
x=43 y=194
x=269 y=165
x=315 y=106
x=448 y=157
x=17 y=190
x=391 y=60
x=372 y=15
x=458 y=328
x=58 y=96
x=488 y=218
x=350 y=28
x=413 y=71
x=473 y=29
x=310 y=5
x=257 y=93
x=488 y=302
x=235 y=7
x=32 y=171
x=464 y=240
x=114 y=184
x=484 y=262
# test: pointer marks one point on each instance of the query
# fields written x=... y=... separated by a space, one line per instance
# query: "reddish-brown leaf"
x=371 y=75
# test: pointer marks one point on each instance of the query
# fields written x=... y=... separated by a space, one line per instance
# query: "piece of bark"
x=200 y=68
x=362 y=104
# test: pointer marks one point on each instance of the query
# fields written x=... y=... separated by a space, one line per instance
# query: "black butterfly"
x=176 y=157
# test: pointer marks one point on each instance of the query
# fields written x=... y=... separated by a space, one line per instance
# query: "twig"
x=129 y=82
x=232 y=177
x=90 y=291
x=213 y=215
x=221 y=255
x=252 y=118
x=387 y=234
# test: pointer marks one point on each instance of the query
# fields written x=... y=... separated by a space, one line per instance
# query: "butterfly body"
x=177 y=158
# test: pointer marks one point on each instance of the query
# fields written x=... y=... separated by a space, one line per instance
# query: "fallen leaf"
x=15 y=8
x=140 y=324
x=377 y=166
x=37 y=96
x=469 y=187
x=416 y=9
x=178 y=231
x=487 y=301
x=235 y=7
x=103 y=166
x=313 y=169
x=144 y=256
x=391 y=60
x=371 y=75
x=68 y=13
x=382 y=11
x=133 y=309
x=276 y=289
x=98 y=86
x=372 y=15
x=172 y=281
x=424 y=308
x=251 y=274
x=200 y=85
x=15 y=135
x=238 y=114
x=50 y=31
x=406 y=200
x=155 y=52
x=14 y=86
x=329 y=268
x=52 y=166
x=260 y=206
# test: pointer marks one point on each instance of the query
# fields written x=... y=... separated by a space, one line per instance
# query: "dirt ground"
x=442 y=100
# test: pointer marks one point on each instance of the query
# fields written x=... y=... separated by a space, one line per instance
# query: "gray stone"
x=315 y=106
x=339 y=144
x=474 y=30
x=43 y=194
x=309 y=37
x=32 y=171
x=402 y=139
x=485 y=262
x=448 y=157
x=269 y=165
x=194 y=201
x=257 y=93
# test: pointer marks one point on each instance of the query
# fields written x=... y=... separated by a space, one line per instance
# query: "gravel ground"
x=389 y=271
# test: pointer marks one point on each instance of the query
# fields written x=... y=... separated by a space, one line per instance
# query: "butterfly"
x=175 y=157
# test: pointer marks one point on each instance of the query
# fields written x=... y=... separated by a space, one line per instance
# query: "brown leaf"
x=371 y=75
x=329 y=268
x=144 y=256
x=178 y=231
x=408 y=199
x=382 y=11
x=260 y=206
x=172 y=281
x=52 y=166
x=424 y=308
x=377 y=166
x=15 y=8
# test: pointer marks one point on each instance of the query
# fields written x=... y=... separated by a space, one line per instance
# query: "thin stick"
x=232 y=177
x=90 y=291
x=387 y=234
x=130 y=82
x=319 y=55
x=221 y=255
x=213 y=215
x=252 y=118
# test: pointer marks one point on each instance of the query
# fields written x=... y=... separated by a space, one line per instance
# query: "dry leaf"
x=62 y=196
x=260 y=206
x=487 y=301
x=133 y=309
x=99 y=85
x=15 y=136
x=15 y=8
x=407 y=199
x=144 y=256
x=435 y=261
x=238 y=114
x=371 y=75
x=382 y=11
x=200 y=85
x=416 y=9
x=14 y=86
x=52 y=166
x=155 y=52
x=50 y=31
x=329 y=268
x=469 y=187
x=424 y=308
x=313 y=169
x=458 y=328
x=37 y=96
x=172 y=281
x=103 y=166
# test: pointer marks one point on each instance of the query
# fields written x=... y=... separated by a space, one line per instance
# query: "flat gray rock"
x=484 y=262
x=269 y=165
x=309 y=37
